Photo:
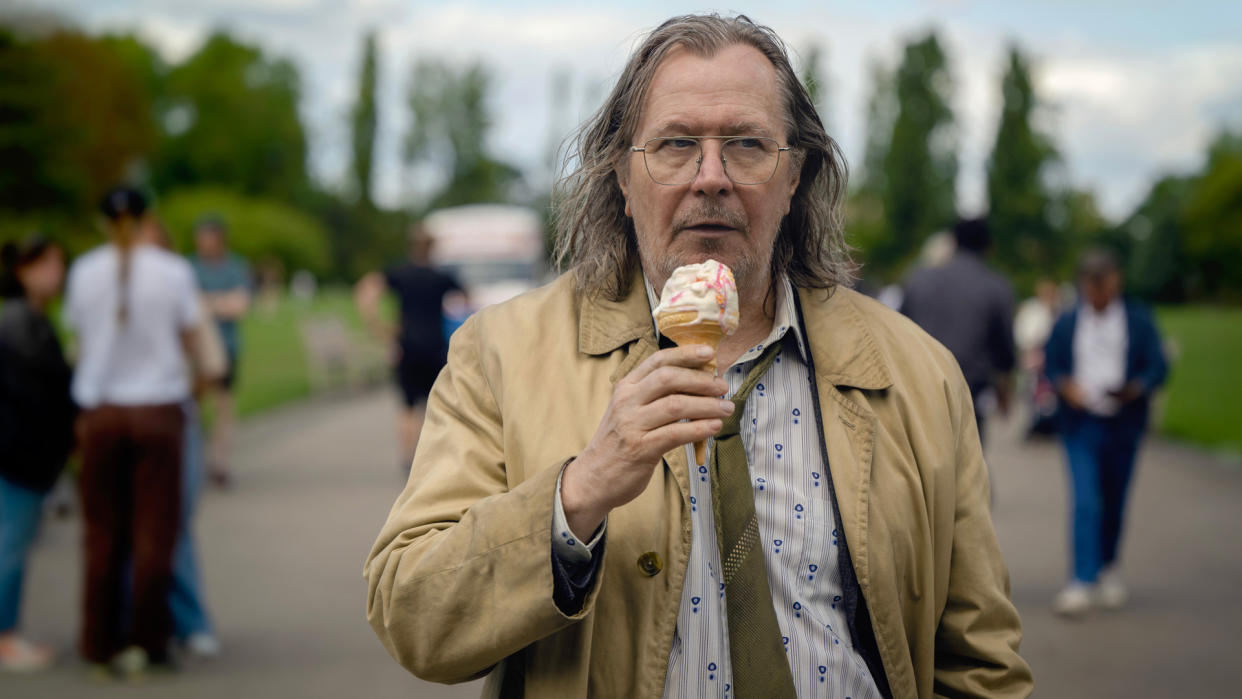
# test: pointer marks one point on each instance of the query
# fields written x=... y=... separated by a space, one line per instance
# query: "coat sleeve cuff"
x=565 y=545
x=575 y=565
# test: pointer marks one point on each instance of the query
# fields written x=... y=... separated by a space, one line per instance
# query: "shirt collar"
x=1114 y=309
x=785 y=321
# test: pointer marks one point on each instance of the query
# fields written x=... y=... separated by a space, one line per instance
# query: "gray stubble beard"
x=746 y=269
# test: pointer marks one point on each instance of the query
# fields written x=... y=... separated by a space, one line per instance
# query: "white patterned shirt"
x=1100 y=343
x=797 y=528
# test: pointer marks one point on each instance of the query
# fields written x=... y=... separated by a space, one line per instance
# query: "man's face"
x=1102 y=289
x=209 y=243
x=733 y=93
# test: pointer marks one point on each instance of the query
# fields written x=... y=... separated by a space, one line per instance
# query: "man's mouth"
x=710 y=227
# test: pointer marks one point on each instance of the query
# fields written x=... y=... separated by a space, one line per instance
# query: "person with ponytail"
x=133 y=307
x=36 y=425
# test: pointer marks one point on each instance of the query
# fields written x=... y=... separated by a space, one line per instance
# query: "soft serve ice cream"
x=699 y=307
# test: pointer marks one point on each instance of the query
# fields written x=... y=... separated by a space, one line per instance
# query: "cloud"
x=1124 y=119
x=1122 y=112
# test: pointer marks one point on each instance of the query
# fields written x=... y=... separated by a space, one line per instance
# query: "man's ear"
x=794 y=181
x=797 y=175
x=624 y=183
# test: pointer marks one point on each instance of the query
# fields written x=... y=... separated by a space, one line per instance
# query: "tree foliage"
x=364 y=124
x=1025 y=242
x=867 y=226
x=261 y=230
x=1157 y=268
x=231 y=118
x=449 y=127
x=74 y=119
x=1212 y=220
x=816 y=86
x=913 y=172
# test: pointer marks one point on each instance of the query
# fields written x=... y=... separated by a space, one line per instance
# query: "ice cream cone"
x=710 y=334
x=699 y=306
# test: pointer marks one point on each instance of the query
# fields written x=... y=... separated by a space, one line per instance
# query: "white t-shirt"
x=142 y=362
x=1100 y=344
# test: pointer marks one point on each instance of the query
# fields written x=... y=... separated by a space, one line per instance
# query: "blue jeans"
x=20 y=511
x=1101 y=453
x=185 y=598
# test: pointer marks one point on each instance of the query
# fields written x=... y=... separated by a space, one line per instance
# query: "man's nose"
x=711 y=179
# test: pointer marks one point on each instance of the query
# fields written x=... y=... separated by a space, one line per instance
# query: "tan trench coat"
x=460 y=577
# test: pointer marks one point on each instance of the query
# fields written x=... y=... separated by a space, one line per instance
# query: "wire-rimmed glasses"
x=675 y=160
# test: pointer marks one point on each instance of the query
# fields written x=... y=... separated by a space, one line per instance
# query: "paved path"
x=1182 y=559
x=283 y=556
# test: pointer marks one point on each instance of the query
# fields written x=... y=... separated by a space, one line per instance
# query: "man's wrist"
x=582 y=513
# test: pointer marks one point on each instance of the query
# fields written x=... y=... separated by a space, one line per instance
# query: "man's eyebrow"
x=680 y=128
x=746 y=128
x=736 y=128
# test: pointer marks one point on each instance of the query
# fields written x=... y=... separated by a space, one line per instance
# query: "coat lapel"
x=846 y=357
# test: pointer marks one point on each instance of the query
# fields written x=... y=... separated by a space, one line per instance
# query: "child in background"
x=36 y=426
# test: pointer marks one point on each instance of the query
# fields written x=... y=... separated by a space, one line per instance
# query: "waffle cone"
x=674 y=327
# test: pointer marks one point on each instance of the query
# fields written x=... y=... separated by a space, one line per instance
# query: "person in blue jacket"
x=1105 y=360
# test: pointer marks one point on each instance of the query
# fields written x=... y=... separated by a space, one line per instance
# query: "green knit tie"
x=760 y=665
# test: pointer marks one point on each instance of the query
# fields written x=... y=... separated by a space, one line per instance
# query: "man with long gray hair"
x=557 y=533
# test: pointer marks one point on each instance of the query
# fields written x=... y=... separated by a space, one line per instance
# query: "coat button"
x=649 y=563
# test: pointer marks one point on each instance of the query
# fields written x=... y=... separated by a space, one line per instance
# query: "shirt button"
x=649 y=563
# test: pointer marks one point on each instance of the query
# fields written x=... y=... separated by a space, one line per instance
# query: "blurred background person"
x=191 y=622
x=1032 y=325
x=969 y=308
x=936 y=251
x=419 y=343
x=133 y=307
x=1105 y=359
x=36 y=425
x=224 y=278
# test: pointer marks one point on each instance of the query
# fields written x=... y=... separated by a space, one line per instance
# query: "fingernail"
x=727 y=406
x=704 y=351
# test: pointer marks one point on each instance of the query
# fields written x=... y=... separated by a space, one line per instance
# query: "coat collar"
x=605 y=325
x=842 y=346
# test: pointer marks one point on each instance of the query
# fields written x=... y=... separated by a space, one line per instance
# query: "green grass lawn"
x=1202 y=398
x=276 y=367
x=1200 y=403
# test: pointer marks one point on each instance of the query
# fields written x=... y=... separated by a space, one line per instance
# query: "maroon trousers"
x=131 y=500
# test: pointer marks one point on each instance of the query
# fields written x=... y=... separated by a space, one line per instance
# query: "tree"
x=232 y=119
x=74 y=120
x=920 y=164
x=881 y=113
x=266 y=230
x=364 y=123
x=1158 y=269
x=867 y=225
x=34 y=133
x=1026 y=244
x=1212 y=220
x=816 y=86
x=450 y=124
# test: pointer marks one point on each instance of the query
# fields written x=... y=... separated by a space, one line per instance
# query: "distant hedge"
x=262 y=230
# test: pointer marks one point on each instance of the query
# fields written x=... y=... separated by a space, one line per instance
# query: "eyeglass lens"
x=746 y=160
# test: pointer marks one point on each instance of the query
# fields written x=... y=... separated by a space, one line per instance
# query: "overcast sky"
x=1134 y=88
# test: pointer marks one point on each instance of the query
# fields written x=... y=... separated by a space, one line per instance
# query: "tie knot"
x=733 y=423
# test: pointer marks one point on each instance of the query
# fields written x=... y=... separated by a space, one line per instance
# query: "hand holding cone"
x=699 y=306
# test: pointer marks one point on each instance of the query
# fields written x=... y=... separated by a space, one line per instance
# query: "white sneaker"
x=1110 y=591
x=131 y=663
x=19 y=655
x=1074 y=601
x=203 y=645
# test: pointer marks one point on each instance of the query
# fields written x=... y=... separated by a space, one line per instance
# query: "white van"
x=494 y=250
